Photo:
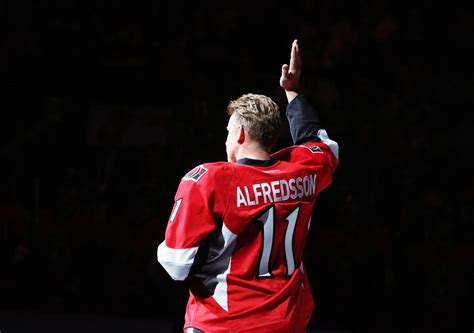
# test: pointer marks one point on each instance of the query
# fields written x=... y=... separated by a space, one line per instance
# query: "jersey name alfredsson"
x=276 y=191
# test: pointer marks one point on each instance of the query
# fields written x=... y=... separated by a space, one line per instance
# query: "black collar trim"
x=251 y=161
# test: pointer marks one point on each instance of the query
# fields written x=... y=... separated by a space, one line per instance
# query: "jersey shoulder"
x=205 y=186
x=307 y=150
x=207 y=171
x=324 y=148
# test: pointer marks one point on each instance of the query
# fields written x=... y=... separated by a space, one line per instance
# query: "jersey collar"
x=251 y=161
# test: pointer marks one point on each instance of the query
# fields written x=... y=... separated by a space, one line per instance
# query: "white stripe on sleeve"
x=323 y=135
x=177 y=262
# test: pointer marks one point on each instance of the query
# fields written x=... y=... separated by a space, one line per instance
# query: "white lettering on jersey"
x=240 y=197
x=276 y=191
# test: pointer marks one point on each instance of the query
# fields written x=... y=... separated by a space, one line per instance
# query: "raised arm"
x=302 y=117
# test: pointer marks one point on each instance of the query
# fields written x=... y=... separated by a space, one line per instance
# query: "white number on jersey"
x=268 y=225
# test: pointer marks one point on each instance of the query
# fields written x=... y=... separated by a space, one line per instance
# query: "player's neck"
x=253 y=151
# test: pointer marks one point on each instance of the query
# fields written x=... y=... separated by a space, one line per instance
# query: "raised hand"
x=290 y=74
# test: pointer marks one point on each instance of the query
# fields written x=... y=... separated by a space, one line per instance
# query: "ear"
x=241 y=136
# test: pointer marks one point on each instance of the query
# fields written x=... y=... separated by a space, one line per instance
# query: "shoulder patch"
x=195 y=174
x=315 y=149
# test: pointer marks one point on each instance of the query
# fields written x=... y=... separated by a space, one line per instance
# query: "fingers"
x=284 y=75
x=295 y=59
x=290 y=74
x=295 y=45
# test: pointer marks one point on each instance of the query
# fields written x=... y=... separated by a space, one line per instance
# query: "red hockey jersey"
x=237 y=232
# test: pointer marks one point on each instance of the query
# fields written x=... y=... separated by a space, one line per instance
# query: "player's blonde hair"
x=259 y=115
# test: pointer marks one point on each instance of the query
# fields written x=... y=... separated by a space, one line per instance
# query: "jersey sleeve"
x=303 y=120
x=321 y=153
x=323 y=156
x=191 y=220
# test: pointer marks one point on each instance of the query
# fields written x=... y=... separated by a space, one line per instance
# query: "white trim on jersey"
x=177 y=262
x=323 y=135
x=193 y=330
x=220 y=293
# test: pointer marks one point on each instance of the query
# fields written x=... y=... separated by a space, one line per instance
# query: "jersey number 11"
x=267 y=219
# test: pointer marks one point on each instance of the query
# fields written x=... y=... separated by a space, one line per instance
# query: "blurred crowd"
x=393 y=238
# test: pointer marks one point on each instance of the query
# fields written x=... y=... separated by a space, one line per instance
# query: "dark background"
x=107 y=104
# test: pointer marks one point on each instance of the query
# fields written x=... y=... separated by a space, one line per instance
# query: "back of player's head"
x=259 y=115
